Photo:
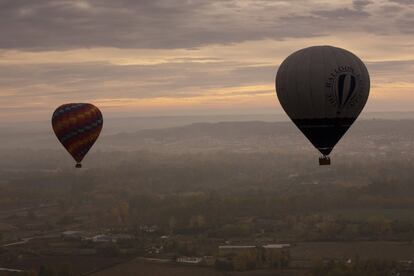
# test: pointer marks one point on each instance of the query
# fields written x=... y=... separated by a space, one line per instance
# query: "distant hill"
x=221 y=130
x=259 y=136
x=368 y=141
x=230 y=135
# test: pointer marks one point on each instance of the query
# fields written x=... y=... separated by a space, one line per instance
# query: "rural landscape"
x=207 y=138
x=214 y=198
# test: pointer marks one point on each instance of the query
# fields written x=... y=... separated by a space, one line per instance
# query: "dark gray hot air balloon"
x=323 y=89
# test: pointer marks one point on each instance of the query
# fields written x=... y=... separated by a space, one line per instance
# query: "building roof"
x=70 y=232
x=236 y=246
x=278 y=245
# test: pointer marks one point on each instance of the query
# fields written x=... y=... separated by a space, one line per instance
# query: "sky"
x=189 y=57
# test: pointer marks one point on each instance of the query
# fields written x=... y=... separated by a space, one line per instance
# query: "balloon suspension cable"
x=78 y=165
x=324 y=160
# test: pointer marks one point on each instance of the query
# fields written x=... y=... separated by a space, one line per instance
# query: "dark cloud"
x=85 y=81
x=391 y=71
x=342 y=13
x=58 y=82
x=402 y=67
x=406 y=23
x=124 y=24
x=361 y=4
x=403 y=2
x=65 y=24
x=391 y=9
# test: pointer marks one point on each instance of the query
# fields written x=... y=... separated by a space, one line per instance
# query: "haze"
x=197 y=170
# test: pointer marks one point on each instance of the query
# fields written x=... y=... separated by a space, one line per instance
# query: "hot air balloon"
x=77 y=126
x=323 y=89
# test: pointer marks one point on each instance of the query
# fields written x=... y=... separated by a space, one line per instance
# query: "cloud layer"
x=189 y=56
x=50 y=24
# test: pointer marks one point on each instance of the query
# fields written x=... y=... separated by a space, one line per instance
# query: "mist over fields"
x=209 y=182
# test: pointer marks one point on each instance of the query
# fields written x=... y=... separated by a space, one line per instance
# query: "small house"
x=189 y=260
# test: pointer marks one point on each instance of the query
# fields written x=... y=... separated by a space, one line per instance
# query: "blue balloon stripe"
x=81 y=130
x=85 y=150
x=68 y=108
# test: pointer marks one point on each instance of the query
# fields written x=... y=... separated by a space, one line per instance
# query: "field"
x=141 y=268
x=78 y=265
x=309 y=252
x=362 y=214
x=385 y=250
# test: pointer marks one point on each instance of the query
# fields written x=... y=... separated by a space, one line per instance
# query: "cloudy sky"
x=180 y=57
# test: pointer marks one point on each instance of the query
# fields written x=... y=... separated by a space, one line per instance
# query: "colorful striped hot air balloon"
x=77 y=126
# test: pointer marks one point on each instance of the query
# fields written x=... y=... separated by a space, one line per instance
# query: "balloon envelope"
x=77 y=126
x=323 y=89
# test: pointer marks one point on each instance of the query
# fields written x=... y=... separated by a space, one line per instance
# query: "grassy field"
x=141 y=268
x=310 y=251
x=305 y=253
x=386 y=250
x=78 y=264
x=364 y=214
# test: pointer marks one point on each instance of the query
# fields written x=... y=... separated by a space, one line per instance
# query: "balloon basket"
x=78 y=165
x=324 y=161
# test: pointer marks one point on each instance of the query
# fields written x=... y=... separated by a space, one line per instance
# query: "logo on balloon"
x=343 y=86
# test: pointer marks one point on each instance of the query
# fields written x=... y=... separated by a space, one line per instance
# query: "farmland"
x=141 y=268
x=186 y=199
